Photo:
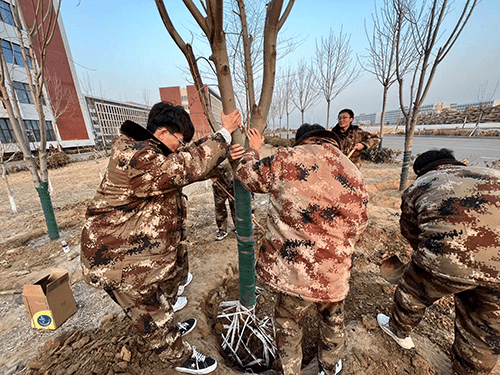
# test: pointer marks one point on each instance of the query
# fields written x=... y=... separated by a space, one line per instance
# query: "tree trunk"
x=405 y=170
x=328 y=103
x=382 y=116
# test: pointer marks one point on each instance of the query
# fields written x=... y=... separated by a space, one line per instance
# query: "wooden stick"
x=352 y=152
x=232 y=198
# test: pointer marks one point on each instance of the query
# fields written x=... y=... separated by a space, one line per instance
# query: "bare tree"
x=305 y=92
x=287 y=96
x=39 y=34
x=242 y=55
x=382 y=44
x=4 y=148
x=210 y=20
x=334 y=71
x=484 y=99
x=425 y=28
x=60 y=102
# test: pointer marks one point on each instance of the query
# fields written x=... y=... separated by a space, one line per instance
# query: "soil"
x=98 y=338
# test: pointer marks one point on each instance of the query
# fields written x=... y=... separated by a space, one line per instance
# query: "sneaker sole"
x=391 y=334
x=207 y=370
x=180 y=306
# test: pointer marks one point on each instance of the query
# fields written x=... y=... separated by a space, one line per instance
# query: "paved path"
x=477 y=149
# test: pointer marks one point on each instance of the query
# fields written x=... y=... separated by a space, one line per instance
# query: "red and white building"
x=188 y=98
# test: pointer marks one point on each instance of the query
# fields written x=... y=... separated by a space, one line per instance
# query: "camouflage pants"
x=289 y=316
x=477 y=317
x=149 y=306
x=220 y=198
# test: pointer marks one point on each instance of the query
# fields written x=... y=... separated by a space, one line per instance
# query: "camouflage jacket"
x=451 y=217
x=136 y=217
x=351 y=137
x=317 y=209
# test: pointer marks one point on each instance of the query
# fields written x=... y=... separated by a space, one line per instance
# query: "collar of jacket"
x=141 y=134
x=339 y=131
x=437 y=163
x=324 y=134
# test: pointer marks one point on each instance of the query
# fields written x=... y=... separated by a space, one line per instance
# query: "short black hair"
x=306 y=128
x=432 y=158
x=348 y=111
x=172 y=117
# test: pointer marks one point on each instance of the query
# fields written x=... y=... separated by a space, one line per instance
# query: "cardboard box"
x=49 y=302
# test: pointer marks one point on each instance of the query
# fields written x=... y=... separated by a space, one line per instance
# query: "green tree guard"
x=48 y=210
x=405 y=170
x=246 y=242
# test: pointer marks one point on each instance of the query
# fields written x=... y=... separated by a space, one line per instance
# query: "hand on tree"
x=232 y=121
x=255 y=140
x=236 y=152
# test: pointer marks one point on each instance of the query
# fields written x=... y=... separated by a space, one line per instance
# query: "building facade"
x=107 y=116
x=64 y=105
x=189 y=99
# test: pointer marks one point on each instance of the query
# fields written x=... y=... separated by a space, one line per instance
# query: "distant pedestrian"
x=352 y=138
x=317 y=209
x=451 y=217
x=133 y=241
x=222 y=185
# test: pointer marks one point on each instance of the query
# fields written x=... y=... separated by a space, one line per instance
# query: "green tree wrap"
x=48 y=210
x=405 y=170
x=246 y=251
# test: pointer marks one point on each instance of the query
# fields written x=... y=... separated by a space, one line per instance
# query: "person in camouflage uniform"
x=451 y=217
x=352 y=137
x=317 y=209
x=222 y=185
x=133 y=241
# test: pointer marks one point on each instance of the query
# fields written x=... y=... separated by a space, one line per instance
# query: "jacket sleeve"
x=153 y=173
x=370 y=140
x=257 y=175
x=409 y=219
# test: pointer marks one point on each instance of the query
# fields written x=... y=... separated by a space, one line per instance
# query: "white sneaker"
x=181 y=287
x=383 y=322
x=180 y=303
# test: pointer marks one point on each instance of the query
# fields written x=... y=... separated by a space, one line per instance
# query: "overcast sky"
x=123 y=49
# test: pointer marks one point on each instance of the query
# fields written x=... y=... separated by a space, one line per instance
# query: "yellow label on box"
x=43 y=320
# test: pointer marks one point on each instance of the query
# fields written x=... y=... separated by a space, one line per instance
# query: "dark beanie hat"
x=432 y=159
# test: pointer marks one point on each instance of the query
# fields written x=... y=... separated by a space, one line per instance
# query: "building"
x=107 y=116
x=64 y=104
x=364 y=119
x=188 y=97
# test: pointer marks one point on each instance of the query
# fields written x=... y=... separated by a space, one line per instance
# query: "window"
x=18 y=55
x=6 y=131
x=7 y=51
x=33 y=127
x=5 y=13
x=14 y=55
x=23 y=92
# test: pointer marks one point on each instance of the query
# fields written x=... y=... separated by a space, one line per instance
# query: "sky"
x=122 y=51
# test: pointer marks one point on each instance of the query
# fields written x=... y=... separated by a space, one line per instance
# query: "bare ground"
x=98 y=338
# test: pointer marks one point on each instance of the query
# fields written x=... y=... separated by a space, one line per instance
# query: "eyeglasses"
x=344 y=117
x=182 y=143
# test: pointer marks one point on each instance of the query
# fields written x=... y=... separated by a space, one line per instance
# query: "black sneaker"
x=221 y=235
x=198 y=364
x=187 y=326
